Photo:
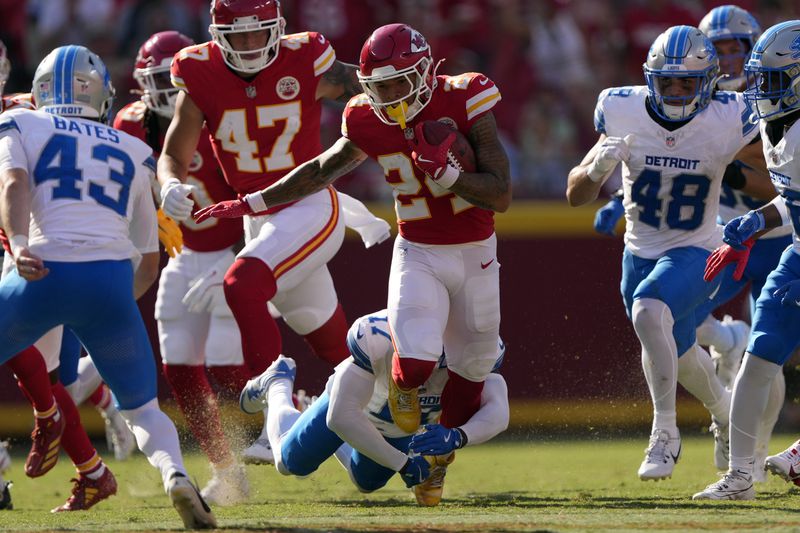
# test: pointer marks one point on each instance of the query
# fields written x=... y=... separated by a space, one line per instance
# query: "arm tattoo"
x=316 y=174
x=491 y=181
x=345 y=78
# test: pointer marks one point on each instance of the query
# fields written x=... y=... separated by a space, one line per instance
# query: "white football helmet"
x=773 y=88
x=73 y=81
x=731 y=22
x=681 y=52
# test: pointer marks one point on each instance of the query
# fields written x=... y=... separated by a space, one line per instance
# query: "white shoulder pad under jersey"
x=783 y=162
x=672 y=179
x=88 y=181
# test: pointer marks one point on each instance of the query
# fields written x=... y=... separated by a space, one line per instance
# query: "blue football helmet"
x=731 y=22
x=73 y=81
x=681 y=52
x=773 y=88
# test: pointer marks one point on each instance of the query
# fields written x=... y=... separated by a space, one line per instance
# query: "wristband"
x=16 y=242
x=256 y=202
x=449 y=177
x=594 y=173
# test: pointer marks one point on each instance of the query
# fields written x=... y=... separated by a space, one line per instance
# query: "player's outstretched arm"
x=490 y=186
x=339 y=83
x=308 y=178
x=173 y=164
x=490 y=420
x=350 y=393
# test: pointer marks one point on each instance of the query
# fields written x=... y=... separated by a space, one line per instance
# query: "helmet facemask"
x=420 y=82
x=772 y=92
x=159 y=95
x=732 y=79
x=249 y=61
x=680 y=107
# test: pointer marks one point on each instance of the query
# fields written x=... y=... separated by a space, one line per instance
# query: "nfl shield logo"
x=250 y=91
x=670 y=141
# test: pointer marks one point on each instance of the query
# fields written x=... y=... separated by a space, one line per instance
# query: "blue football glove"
x=415 y=471
x=437 y=440
x=742 y=228
x=606 y=218
x=789 y=294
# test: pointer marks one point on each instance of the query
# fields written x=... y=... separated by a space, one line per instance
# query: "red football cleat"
x=88 y=492
x=46 y=444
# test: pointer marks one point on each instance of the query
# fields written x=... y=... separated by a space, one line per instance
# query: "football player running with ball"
x=444 y=282
x=675 y=137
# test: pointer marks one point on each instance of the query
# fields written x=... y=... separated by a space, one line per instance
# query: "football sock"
x=87 y=383
x=697 y=375
x=101 y=397
x=249 y=284
x=157 y=438
x=281 y=416
x=461 y=398
x=74 y=440
x=714 y=333
x=93 y=468
x=750 y=398
x=653 y=323
x=33 y=379
x=410 y=373
x=777 y=395
x=198 y=405
x=230 y=379
x=329 y=341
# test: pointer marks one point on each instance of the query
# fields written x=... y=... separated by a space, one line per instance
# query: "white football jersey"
x=371 y=347
x=783 y=162
x=90 y=186
x=672 y=179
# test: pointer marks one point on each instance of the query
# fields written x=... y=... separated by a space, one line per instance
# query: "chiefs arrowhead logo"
x=418 y=42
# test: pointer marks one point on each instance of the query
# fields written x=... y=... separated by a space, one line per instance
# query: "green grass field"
x=513 y=486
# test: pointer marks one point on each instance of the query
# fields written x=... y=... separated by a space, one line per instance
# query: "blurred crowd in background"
x=550 y=58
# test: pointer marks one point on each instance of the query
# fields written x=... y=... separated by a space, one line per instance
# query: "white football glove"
x=611 y=152
x=205 y=291
x=175 y=199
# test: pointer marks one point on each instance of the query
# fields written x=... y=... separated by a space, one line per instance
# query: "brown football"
x=461 y=154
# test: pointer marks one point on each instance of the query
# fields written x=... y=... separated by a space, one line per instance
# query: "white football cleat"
x=660 y=456
x=253 y=398
x=722 y=444
x=119 y=437
x=194 y=511
x=786 y=464
x=228 y=486
x=259 y=453
x=728 y=362
x=732 y=486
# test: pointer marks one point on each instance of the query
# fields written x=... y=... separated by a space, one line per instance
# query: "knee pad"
x=178 y=346
x=648 y=314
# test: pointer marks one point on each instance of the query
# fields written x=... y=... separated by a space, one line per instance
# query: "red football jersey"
x=261 y=128
x=426 y=212
x=204 y=174
x=16 y=101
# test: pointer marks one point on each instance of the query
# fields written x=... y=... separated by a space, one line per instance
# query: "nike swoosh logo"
x=423 y=160
x=321 y=39
x=713 y=294
x=484 y=266
x=447 y=438
x=797 y=303
x=359 y=335
x=484 y=81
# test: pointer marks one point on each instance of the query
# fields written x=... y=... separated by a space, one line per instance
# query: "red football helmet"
x=152 y=70
x=5 y=67
x=240 y=16
x=397 y=51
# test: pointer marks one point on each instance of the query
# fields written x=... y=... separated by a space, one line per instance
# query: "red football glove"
x=429 y=158
x=226 y=209
x=724 y=256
